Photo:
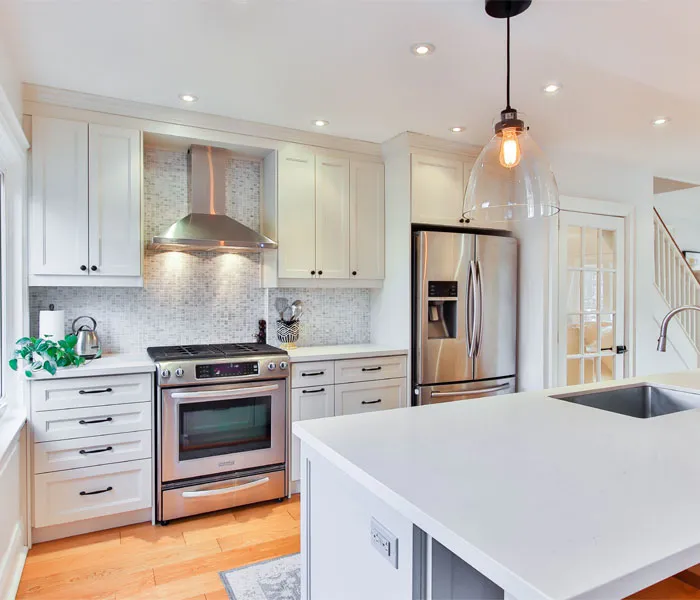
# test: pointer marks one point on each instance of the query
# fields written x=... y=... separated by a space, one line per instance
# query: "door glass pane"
x=573 y=371
x=590 y=334
x=574 y=293
x=590 y=291
x=607 y=250
x=590 y=247
x=574 y=247
x=573 y=334
x=607 y=292
x=590 y=374
x=224 y=427
x=607 y=332
x=607 y=368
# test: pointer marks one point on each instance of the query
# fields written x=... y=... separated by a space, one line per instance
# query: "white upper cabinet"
x=85 y=204
x=437 y=190
x=366 y=220
x=332 y=217
x=296 y=213
x=58 y=203
x=115 y=201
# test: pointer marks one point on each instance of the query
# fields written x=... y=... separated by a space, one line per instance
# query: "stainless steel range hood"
x=207 y=227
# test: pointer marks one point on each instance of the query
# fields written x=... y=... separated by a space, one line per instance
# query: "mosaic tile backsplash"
x=203 y=297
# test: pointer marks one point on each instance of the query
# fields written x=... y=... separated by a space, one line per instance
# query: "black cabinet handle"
x=107 y=489
x=84 y=422
x=104 y=391
x=83 y=267
x=354 y=273
x=312 y=373
x=318 y=391
x=313 y=272
x=365 y=369
x=372 y=401
x=107 y=449
x=320 y=272
x=93 y=268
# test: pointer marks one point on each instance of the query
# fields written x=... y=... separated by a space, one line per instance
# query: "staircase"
x=675 y=280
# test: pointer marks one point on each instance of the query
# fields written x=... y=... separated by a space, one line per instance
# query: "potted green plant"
x=43 y=354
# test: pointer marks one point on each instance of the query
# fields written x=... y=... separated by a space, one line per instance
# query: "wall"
x=680 y=210
x=201 y=297
x=10 y=82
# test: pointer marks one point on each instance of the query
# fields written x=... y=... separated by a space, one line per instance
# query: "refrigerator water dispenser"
x=442 y=309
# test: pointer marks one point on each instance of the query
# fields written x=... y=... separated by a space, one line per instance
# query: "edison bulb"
x=509 y=155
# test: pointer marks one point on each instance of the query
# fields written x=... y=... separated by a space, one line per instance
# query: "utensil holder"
x=288 y=333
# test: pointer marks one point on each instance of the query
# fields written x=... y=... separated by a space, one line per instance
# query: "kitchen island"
x=520 y=496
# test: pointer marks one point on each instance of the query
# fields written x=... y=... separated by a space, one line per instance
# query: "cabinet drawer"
x=353 y=398
x=85 y=422
x=370 y=369
x=90 y=391
x=91 y=492
x=91 y=451
x=312 y=373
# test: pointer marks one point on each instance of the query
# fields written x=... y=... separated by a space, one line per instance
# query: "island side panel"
x=338 y=558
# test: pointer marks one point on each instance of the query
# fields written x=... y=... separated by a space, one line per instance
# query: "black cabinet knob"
x=93 y=268
x=313 y=272
x=461 y=220
x=83 y=268
x=320 y=272
x=354 y=273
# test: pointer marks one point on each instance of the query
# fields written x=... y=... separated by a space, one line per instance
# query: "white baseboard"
x=12 y=564
x=55 y=532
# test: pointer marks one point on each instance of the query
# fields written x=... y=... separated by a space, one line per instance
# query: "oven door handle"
x=226 y=490
x=224 y=394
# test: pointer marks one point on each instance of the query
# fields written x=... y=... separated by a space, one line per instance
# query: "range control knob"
x=283 y=365
x=179 y=372
x=272 y=366
x=165 y=373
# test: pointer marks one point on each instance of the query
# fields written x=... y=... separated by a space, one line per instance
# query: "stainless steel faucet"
x=661 y=343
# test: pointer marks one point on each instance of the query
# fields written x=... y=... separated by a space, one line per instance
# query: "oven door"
x=222 y=428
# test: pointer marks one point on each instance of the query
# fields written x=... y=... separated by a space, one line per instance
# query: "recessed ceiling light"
x=660 y=121
x=422 y=49
x=188 y=98
x=320 y=123
x=458 y=129
x=552 y=88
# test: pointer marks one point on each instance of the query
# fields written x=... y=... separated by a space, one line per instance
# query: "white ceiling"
x=622 y=63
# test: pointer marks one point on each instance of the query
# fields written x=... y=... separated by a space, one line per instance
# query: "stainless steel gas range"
x=222 y=433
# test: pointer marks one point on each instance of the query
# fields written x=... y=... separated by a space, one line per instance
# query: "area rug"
x=275 y=579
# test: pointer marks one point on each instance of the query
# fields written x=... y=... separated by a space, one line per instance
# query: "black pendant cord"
x=508 y=107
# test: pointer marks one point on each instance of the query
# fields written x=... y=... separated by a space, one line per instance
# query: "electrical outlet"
x=384 y=542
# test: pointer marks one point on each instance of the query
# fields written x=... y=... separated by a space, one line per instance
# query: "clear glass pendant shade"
x=511 y=181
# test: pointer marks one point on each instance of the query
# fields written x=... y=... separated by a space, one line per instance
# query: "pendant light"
x=511 y=179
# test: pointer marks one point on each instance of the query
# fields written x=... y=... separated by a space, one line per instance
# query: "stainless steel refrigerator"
x=464 y=315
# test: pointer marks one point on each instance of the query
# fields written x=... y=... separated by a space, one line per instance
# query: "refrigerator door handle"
x=479 y=315
x=486 y=390
x=471 y=310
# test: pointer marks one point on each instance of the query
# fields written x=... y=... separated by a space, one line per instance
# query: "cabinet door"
x=296 y=213
x=309 y=403
x=115 y=201
x=437 y=191
x=58 y=204
x=332 y=217
x=366 y=220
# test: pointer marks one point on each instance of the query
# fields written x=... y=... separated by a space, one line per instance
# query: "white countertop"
x=549 y=499
x=312 y=353
x=109 y=364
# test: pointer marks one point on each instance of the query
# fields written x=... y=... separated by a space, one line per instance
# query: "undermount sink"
x=642 y=401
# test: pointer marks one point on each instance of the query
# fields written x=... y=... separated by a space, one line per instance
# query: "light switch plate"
x=384 y=542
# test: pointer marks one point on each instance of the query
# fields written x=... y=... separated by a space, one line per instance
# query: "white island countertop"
x=314 y=353
x=548 y=499
x=109 y=364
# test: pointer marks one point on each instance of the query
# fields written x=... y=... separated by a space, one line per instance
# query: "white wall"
x=9 y=80
x=680 y=211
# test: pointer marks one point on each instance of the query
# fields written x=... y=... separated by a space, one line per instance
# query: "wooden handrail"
x=673 y=240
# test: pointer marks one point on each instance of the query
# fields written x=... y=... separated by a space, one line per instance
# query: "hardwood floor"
x=178 y=562
x=182 y=561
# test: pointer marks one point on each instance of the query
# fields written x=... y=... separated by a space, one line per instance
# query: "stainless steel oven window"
x=225 y=427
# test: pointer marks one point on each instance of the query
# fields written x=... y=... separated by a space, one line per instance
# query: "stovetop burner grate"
x=192 y=352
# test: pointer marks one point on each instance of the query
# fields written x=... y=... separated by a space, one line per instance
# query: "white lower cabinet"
x=66 y=496
x=309 y=403
x=369 y=396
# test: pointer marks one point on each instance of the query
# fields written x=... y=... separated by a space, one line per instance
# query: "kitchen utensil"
x=88 y=343
x=281 y=305
x=296 y=310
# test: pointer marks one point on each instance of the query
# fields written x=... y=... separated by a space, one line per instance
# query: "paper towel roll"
x=51 y=324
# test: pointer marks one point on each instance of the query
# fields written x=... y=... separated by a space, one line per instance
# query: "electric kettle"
x=88 y=344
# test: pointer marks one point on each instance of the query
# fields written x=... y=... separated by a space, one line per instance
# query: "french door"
x=591 y=298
